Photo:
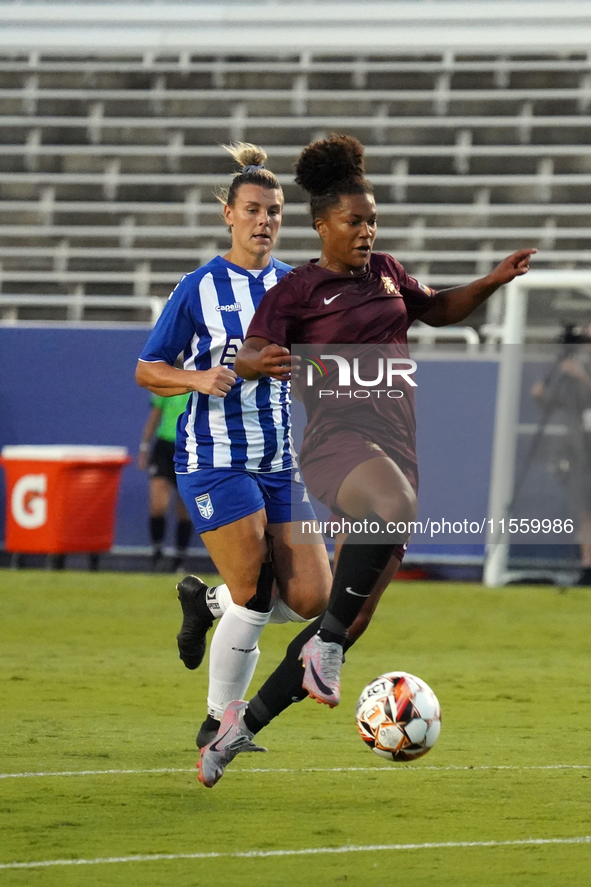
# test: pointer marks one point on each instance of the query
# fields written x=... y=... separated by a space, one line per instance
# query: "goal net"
x=540 y=488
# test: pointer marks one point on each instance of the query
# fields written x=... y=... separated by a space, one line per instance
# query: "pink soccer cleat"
x=322 y=661
x=232 y=738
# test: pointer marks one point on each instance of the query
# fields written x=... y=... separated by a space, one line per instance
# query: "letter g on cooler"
x=28 y=501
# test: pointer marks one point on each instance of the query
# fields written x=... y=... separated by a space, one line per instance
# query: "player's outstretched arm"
x=454 y=305
x=260 y=357
x=161 y=378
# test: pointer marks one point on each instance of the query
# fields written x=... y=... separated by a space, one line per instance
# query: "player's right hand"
x=217 y=381
x=274 y=361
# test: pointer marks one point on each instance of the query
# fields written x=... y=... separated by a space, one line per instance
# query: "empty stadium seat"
x=108 y=166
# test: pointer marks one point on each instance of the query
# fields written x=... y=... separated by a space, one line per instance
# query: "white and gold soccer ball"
x=398 y=716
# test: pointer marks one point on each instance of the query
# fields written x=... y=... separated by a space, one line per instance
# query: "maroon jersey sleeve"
x=278 y=313
x=417 y=297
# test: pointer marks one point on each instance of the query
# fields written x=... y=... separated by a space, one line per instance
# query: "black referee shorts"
x=161 y=462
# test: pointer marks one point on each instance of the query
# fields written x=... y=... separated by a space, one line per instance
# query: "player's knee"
x=309 y=609
x=309 y=606
x=400 y=508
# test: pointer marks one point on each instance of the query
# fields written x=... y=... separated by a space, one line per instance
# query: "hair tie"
x=251 y=168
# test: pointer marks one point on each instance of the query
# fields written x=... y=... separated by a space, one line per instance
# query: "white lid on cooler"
x=62 y=453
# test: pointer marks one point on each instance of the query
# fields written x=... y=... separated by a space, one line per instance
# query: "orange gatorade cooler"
x=61 y=499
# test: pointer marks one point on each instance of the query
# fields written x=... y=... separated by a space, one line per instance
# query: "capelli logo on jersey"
x=388 y=371
x=235 y=306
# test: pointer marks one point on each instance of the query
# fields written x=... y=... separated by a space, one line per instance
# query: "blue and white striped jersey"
x=206 y=317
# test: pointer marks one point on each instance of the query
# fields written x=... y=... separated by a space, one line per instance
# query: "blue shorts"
x=218 y=496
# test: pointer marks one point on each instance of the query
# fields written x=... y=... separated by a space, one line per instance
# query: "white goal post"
x=514 y=332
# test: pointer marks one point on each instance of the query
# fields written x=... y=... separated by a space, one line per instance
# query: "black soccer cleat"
x=197 y=620
x=207 y=731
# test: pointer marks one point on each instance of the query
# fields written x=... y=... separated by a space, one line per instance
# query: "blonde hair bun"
x=246 y=154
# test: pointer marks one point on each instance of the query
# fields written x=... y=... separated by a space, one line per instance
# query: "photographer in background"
x=569 y=389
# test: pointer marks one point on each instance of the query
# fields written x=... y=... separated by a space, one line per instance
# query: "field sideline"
x=97 y=778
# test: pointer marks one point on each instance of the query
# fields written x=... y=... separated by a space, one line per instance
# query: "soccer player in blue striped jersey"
x=233 y=459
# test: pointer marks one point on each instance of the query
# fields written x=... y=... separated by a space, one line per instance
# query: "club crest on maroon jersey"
x=390 y=286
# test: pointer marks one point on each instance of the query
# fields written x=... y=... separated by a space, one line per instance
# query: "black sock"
x=358 y=569
x=183 y=534
x=332 y=630
x=157 y=530
x=283 y=687
x=357 y=572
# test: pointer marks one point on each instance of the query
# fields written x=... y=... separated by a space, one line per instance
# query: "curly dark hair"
x=329 y=168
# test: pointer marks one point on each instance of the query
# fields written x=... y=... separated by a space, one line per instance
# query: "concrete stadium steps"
x=107 y=165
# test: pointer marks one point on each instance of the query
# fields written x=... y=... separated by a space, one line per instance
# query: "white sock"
x=282 y=613
x=218 y=599
x=233 y=655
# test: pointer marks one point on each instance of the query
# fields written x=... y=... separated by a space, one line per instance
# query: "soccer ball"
x=398 y=716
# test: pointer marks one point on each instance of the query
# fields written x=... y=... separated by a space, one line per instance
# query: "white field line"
x=396 y=768
x=308 y=851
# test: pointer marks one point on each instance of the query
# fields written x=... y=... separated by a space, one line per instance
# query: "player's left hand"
x=513 y=266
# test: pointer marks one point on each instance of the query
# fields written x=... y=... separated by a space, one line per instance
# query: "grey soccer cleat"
x=197 y=620
x=232 y=738
x=322 y=662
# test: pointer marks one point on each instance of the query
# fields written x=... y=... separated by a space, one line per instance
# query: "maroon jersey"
x=313 y=305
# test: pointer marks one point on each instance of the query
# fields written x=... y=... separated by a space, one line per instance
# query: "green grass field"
x=99 y=717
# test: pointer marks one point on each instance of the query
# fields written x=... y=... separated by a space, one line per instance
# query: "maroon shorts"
x=332 y=458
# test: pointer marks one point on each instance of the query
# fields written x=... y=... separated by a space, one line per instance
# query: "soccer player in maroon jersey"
x=368 y=470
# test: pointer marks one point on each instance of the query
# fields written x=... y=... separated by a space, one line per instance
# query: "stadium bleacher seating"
x=108 y=166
